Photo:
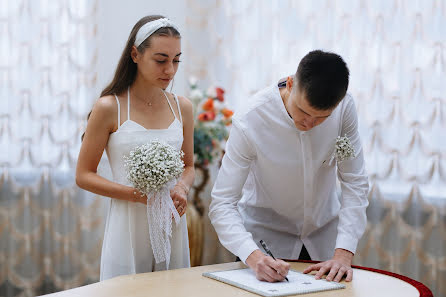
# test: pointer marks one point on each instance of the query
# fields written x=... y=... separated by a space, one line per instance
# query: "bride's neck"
x=144 y=91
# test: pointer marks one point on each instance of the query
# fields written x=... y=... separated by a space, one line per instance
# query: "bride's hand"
x=179 y=197
x=139 y=197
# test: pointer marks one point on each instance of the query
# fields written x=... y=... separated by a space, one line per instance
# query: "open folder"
x=299 y=283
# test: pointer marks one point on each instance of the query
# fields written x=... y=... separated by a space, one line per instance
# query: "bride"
x=132 y=110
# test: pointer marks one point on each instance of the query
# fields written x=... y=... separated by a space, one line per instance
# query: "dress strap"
x=170 y=105
x=119 y=110
x=179 y=110
x=128 y=103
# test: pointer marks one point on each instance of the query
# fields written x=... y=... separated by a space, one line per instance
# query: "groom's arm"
x=227 y=191
x=352 y=216
x=353 y=179
x=224 y=215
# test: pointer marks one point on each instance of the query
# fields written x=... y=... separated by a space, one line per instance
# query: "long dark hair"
x=125 y=73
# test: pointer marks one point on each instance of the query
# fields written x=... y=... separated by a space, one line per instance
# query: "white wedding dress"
x=126 y=247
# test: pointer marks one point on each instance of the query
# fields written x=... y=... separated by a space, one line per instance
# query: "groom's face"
x=305 y=117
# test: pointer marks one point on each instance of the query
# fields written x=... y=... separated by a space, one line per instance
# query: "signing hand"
x=179 y=197
x=336 y=267
x=266 y=268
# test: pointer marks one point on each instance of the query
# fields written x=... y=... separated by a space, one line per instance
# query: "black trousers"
x=302 y=256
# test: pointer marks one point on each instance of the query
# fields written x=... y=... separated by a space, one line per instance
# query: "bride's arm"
x=181 y=189
x=102 y=122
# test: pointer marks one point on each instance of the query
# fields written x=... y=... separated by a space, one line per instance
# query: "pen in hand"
x=265 y=247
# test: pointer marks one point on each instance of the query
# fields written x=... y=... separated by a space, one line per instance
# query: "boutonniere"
x=343 y=149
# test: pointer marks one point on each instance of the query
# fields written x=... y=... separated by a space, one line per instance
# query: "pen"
x=265 y=247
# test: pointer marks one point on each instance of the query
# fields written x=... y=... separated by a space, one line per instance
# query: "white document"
x=299 y=283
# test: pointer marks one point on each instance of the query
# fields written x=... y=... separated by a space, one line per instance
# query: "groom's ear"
x=289 y=83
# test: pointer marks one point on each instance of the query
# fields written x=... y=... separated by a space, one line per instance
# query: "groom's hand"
x=266 y=268
x=337 y=267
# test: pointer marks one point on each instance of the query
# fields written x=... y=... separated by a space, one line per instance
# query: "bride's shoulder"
x=186 y=107
x=105 y=108
x=185 y=103
x=106 y=104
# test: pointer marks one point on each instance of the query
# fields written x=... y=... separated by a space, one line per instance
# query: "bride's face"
x=159 y=63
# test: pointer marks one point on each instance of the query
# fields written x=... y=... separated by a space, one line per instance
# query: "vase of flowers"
x=211 y=129
x=212 y=122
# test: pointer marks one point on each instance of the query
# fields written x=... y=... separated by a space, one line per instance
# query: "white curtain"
x=396 y=52
x=50 y=231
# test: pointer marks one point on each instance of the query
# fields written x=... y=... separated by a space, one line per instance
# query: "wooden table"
x=190 y=282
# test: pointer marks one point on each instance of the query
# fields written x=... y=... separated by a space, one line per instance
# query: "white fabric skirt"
x=126 y=248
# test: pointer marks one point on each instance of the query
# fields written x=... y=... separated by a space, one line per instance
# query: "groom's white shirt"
x=277 y=183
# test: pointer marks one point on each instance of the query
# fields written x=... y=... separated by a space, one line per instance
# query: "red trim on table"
x=422 y=289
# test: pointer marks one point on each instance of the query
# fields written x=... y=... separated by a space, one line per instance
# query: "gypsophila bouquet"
x=343 y=149
x=153 y=169
x=151 y=166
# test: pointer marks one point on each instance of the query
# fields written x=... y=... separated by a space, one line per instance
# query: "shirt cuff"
x=246 y=249
x=346 y=242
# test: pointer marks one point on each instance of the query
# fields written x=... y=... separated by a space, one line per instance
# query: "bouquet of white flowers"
x=153 y=169
x=151 y=166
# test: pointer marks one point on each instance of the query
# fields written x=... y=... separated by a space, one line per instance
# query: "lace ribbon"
x=160 y=210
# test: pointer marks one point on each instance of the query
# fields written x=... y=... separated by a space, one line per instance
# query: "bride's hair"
x=126 y=70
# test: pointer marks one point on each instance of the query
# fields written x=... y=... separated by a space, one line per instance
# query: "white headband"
x=148 y=28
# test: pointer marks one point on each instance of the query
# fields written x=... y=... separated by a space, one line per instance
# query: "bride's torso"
x=131 y=134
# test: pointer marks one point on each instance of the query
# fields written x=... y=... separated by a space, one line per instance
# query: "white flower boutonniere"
x=343 y=149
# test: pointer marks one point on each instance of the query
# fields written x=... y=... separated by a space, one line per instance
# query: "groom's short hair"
x=323 y=79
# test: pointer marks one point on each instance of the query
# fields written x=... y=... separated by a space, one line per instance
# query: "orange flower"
x=209 y=104
x=202 y=117
x=220 y=93
x=206 y=116
x=227 y=113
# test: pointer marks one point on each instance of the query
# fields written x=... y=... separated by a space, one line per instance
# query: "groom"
x=277 y=181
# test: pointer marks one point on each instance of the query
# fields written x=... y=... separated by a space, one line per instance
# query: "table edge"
x=422 y=289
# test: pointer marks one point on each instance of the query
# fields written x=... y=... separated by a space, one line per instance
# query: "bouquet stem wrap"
x=160 y=210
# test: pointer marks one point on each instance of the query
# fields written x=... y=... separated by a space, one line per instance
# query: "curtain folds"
x=51 y=232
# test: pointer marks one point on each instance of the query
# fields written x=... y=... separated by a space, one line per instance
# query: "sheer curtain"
x=50 y=231
x=396 y=51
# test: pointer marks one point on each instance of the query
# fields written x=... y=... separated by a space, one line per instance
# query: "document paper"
x=299 y=283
